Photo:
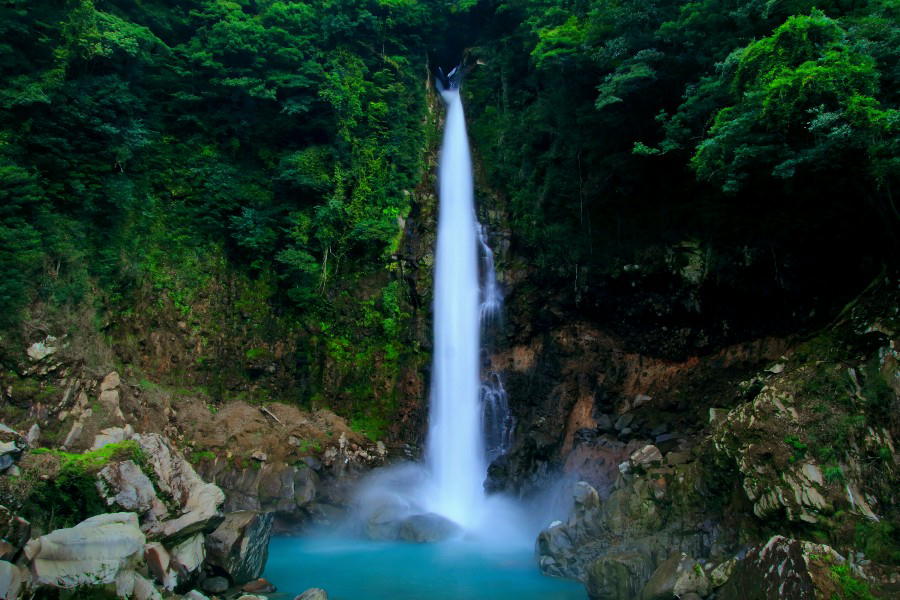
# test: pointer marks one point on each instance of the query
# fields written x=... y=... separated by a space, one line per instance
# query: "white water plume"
x=455 y=448
x=469 y=422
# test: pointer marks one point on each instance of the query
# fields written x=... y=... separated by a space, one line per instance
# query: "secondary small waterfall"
x=455 y=447
x=491 y=296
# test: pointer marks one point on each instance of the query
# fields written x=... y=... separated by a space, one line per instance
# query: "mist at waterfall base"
x=489 y=548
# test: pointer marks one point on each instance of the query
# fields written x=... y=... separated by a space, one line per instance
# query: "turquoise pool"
x=350 y=569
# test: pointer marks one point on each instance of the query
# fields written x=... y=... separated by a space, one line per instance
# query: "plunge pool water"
x=352 y=569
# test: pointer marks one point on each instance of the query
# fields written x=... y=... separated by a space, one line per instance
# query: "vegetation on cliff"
x=725 y=165
x=242 y=176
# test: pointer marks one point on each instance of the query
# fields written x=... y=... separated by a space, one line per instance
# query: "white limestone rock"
x=199 y=501
x=91 y=553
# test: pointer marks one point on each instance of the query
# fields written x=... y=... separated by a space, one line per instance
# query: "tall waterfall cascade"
x=469 y=422
x=455 y=448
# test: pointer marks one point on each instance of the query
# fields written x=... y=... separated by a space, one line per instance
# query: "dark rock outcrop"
x=240 y=545
x=784 y=568
x=428 y=527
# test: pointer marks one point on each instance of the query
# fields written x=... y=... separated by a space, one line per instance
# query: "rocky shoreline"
x=766 y=488
x=163 y=527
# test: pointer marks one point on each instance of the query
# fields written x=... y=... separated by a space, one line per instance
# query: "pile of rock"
x=621 y=549
x=170 y=537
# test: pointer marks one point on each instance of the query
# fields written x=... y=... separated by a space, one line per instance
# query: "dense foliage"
x=750 y=145
x=170 y=145
x=143 y=144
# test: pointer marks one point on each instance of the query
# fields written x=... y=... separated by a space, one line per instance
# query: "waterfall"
x=469 y=422
x=455 y=447
x=498 y=423
x=496 y=419
x=491 y=297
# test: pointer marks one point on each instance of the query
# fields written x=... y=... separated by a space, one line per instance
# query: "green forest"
x=153 y=150
x=666 y=363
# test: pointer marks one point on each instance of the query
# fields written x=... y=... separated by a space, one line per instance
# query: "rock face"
x=617 y=576
x=158 y=561
x=783 y=568
x=676 y=576
x=560 y=547
x=15 y=532
x=274 y=487
x=795 y=487
x=198 y=501
x=214 y=585
x=10 y=580
x=123 y=483
x=646 y=456
x=240 y=545
x=188 y=557
x=614 y=546
x=428 y=527
x=132 y=585
x=93 y=552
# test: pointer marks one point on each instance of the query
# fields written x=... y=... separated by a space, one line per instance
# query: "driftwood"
x=268 y=412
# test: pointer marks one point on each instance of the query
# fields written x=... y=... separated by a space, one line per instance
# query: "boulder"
x=585 y=497
x=618 y=576
x=159 y=563
x=240 y=544
x=10 y=453
x=92 y=552
x=561 y=547
x=158 y=560
x=719 y=575
x=34 y=436
x=675 y=577
x=144 y=590
x=214 y=585
x=38 y=351
x=258 y=586
x=274 y=486
x=646 y=456
x=195 y=595
x=313 y=594
x=384 y=522
x=188 y=556
x=110 y=382
x=110 y=435
x=428 y=527
x=677 y=458
x=198 y=501
x=123 y=483
x=15 y=532
x=75 y=432
x=11 y=580
x=555 y=550
x=109 y=401
x=783 y=568
x=132 y=585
